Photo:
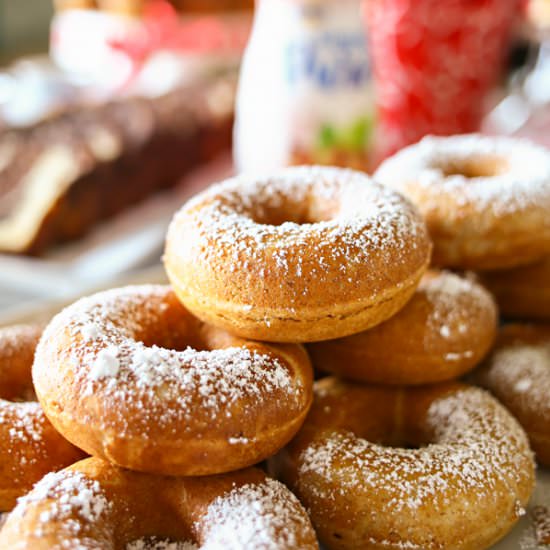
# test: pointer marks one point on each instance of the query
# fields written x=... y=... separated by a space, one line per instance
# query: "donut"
x=522 y=292
x=29 y=445
x=310 y=254
x=129 y=375
x=94 y=504
x=485 y=199
x=443 y=466
x=518 y=374
x=445 y=330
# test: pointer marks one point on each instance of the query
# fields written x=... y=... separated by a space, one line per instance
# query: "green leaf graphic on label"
x=354 y=137
x=327 y=137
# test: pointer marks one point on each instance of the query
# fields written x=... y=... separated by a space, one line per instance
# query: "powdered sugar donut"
x=29 y=445
x=518 y=374
x=130 y=376
x=310 y=254
x=94 y=504
x=462 y=485
x=445 y=330
x=522 y=292
x=486 y=200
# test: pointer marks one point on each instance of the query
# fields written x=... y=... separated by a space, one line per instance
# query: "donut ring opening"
x=486 y=166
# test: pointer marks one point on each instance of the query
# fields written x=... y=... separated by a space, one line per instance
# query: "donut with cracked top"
x=445 y=330
x=29 y=445
x=131 y=376
x=485 y=199
x=443 y=466
x=94 y=504
x=309 y=254
x=518 y=374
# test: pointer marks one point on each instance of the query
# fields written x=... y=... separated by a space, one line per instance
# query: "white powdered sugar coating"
x=478 y=445
x=177 y=386
x=340 y=217
x=25 y=420
x=451 y=285
x=456 y=303
x=524 y=183
x=523 y=370
x=17 y=338
x=68 y=499
x=106 y=364
x=254 y=516
x=159 y=544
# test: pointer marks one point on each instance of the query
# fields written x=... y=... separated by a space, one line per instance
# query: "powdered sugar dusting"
x=254 y=516
x=106 y=364
x=18 y=339
x=524 y=182
x=25 y=420
x=523 y=370
x=456 y=302
x=177 y=386
x=449 y=284
x=479 y=445
x=66 y=498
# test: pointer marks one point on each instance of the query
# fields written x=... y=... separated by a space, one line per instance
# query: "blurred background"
x=19 y=32
x=114 y=112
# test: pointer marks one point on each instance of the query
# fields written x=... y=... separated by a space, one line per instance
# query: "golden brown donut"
x=29 y=445
x=485 y=199
x=129 y=375
x=518 y=374
x=445 y=330
x=94 y=504
x=310 y=254
x=457 y=474
x=523 y=292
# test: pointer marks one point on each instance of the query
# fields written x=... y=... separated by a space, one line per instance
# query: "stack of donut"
x=178 y=392
x=486 y=202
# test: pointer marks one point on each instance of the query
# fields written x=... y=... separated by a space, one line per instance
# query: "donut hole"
x=469 y=168
x=26 y=395
x=402 y=441
x=277 y=217
x=289 y=209
x=177 y=329
x=387 y=433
